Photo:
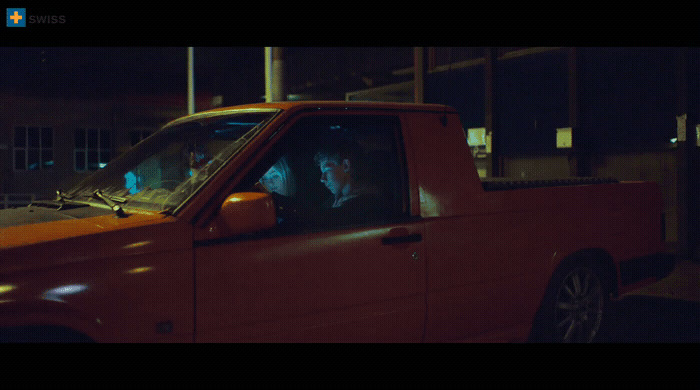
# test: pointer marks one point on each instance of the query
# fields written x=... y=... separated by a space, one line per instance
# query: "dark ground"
x=667 y=311
x=649 y=319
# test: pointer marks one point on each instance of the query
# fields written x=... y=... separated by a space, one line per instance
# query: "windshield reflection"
x=165 y=169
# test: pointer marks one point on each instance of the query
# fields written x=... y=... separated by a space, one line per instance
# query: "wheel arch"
x=45 y=322
x=43 y=333
x=598 y=258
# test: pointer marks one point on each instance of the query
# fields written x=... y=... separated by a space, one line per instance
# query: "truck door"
x=324 y=274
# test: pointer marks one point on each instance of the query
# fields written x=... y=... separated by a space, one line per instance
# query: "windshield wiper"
x=62 y=196
x=61 y=202
x=115 y=207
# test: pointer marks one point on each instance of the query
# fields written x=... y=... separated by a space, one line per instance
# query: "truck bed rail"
x=502 y=184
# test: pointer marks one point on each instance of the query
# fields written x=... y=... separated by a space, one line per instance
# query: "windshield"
x=162 y=171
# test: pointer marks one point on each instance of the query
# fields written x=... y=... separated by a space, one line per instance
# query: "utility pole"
x=268 y=74
x=491 y=57
x=420 y=72
x=274 y=74
x=190 y=80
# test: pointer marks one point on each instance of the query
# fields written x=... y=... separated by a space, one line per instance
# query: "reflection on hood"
x=32 y=214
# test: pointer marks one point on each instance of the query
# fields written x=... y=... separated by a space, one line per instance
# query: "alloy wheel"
x=579 y=306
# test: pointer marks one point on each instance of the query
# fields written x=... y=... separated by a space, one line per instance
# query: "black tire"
x=573 y=308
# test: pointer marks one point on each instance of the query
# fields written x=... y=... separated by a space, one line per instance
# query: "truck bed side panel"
x=490 y=255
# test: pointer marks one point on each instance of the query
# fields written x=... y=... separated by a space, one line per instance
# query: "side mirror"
x=247 y=212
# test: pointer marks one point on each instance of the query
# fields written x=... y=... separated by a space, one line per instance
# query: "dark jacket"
x=361 y=209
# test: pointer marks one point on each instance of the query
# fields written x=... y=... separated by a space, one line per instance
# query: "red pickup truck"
x=322 y=222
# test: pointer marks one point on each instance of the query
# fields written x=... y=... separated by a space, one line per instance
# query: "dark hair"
x=337 y=150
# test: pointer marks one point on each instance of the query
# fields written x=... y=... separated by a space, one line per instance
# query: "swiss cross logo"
x=16 y=17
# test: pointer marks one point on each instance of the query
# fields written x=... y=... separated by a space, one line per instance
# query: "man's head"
x=338 y=163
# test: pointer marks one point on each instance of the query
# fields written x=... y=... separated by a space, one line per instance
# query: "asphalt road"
x=667 y=311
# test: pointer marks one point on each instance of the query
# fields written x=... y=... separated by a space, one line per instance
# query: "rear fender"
x=599 y=258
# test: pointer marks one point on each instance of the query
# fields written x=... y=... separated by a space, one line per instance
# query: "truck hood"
x=32 y=225
x=33 y=215
x=44 y=237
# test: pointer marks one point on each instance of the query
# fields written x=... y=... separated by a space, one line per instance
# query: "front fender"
x=18 y=315
x=130 y=285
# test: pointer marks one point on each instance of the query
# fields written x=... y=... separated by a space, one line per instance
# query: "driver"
x=343 y=171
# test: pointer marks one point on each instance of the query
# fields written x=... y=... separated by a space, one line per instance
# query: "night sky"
x=108 y=71
x=235 y=72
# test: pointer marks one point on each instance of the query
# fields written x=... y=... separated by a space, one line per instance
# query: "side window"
x=335 y=171
x=33 y=148
x=92 y=149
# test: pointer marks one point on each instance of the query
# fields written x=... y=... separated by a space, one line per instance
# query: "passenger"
x=354 y=200
x=280 y=179
x=198 y=157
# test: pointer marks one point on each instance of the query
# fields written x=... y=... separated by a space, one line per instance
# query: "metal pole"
x=419 y=73
x=190 y=80
x=278 y=72
x=268 y=74
x=490 y=122
x=274 y=74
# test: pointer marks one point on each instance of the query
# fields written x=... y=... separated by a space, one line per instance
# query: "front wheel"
x=573 y=308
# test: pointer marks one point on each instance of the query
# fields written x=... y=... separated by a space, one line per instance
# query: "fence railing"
x=15 y=200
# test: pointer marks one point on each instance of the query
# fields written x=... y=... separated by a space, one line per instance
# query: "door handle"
x=402 y=239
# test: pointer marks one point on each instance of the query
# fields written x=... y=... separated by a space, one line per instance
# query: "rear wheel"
x=574 y=305
x=578 y=307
